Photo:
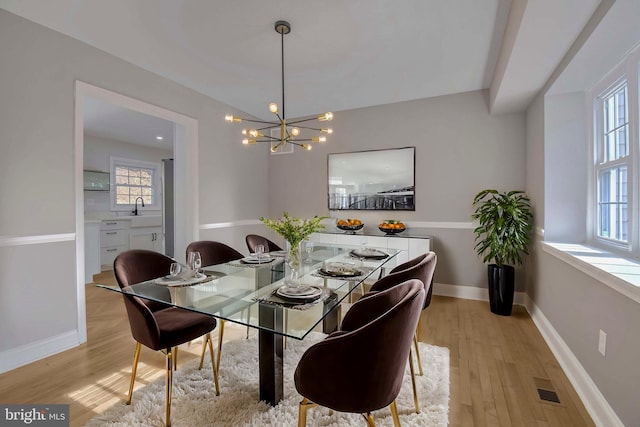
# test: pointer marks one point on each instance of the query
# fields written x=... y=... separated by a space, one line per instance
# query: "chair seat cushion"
x=178 y=326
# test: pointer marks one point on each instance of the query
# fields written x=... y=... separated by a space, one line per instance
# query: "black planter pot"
x=501 y=289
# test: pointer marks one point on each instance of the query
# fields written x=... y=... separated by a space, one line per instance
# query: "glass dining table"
x=264 y=295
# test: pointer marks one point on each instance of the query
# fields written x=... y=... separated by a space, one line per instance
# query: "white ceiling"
x=339 y=55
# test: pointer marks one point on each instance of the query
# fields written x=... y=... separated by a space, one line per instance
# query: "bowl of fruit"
x=391 y=226
x=349 y=225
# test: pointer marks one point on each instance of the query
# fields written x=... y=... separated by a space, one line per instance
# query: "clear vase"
x=294 y=260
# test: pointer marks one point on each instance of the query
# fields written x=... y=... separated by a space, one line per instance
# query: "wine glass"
x=195 y=261
x=175 y=269
x=259 y=251
x=308 y=249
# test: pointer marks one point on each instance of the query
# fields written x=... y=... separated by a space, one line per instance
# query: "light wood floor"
x=497 y=364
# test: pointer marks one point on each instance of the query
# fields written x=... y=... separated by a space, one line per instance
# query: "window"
x=133 y=179
x=612 y=165
x=616 y=152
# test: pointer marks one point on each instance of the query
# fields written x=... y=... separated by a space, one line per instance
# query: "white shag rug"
x=196 y=405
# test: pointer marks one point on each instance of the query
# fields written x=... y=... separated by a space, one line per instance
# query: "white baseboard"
x=594 y=402
x=25 y=354
x=470 y=292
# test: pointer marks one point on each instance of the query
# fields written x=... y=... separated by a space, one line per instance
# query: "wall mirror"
x=372 y=180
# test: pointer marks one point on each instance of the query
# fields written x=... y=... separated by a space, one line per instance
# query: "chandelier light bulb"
x=295 y=131
x=253 y=133
x=319 y=139
x=329 y=130
x=245 y=132
x=273 y=107
x=232 y=118
x=306 y=147
x=325 y=117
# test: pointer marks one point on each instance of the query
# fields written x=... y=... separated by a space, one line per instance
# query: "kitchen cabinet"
x=149 y=238
x=114 y=239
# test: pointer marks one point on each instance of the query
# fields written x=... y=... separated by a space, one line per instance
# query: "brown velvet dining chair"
x=159 y=326
x=254 y=240
x=212 y=253
x=422 y=268
x=360 y=367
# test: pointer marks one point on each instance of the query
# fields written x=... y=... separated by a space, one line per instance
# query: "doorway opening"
x=185 y=176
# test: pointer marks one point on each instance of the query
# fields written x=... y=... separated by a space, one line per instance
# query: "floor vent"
x=548 y=395
x=546 y=390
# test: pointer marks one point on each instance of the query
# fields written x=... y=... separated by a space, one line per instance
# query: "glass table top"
x=254 y=294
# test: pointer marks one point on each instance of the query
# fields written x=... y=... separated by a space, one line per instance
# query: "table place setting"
x=299 y=297
x=257 y=259
x=181 y=275
x=369 y=253
x=341 y=270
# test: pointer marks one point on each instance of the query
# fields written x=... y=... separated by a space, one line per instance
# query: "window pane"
x=615 y=140
x=132 y=182
x=612 y=204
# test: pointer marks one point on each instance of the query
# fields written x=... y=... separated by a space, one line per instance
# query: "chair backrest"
x=360 y=368
x=213 y=253
x=138 y=265
x=421 y=267
x=135 y=266
x=254 y=240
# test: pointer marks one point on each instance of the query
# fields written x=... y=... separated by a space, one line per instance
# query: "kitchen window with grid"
x=134 y=180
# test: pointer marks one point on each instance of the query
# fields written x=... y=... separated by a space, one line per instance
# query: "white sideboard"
x=412 y=246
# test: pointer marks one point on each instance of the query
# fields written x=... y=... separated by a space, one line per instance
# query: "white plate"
x=301 y=292
x=256 y=260
x=177 y=281
x=369 y=253
x=339 y=269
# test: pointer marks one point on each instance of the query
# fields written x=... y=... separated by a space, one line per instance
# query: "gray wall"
x=460 y=150
x=566 y=164
x=38 y=311
x=576 y=305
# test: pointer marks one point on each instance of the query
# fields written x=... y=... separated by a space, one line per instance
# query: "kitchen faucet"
x=135 y=210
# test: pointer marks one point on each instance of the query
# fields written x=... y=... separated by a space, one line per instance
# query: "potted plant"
x=502 y=237
x=294 y=231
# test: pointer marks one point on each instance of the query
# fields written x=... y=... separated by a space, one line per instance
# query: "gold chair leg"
x=174 y=356
x=369 y=417
x=413 y=383
x=394 y=414
x=415 y=343
x=207 y=337
x=220 y=336
x=169 y=386
x=136 y=356
x=213 y=365
x=302 y=411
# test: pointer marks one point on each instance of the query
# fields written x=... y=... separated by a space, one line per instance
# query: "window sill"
x=620 y=274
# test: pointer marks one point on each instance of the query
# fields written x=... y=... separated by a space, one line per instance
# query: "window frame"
x=156 y=183
x=626 y=72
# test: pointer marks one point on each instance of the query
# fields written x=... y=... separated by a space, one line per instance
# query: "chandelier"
x=290 y=132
